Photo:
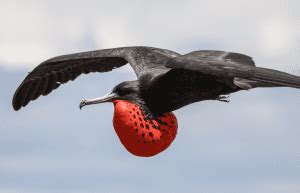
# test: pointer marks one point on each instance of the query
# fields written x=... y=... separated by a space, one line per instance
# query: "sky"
x=249 y=145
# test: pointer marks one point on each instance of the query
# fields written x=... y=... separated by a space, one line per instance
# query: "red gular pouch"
x=139 y=136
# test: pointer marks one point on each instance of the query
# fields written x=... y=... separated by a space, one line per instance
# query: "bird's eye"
x=122 y=91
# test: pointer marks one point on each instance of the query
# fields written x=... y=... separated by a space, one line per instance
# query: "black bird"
x=166 y=80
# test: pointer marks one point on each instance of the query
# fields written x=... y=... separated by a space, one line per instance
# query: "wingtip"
x=16 y=106
x=15 y=103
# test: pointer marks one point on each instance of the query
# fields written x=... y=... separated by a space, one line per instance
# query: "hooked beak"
x=106 y=98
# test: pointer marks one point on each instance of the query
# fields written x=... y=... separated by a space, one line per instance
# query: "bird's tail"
x=263 y=77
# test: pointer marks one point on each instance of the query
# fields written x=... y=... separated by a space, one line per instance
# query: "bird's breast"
x=140 y=136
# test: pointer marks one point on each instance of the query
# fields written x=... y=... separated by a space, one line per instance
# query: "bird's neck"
x=137 y=132
x=137 y=112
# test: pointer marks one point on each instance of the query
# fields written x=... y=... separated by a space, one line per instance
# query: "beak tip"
x=82 y=104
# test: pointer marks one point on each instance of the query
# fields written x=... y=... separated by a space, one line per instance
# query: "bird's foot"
x=223 y=99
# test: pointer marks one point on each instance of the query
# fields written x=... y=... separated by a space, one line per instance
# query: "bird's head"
x=128 y=90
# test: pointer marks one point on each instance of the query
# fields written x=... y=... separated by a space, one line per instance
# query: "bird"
x=166 y=81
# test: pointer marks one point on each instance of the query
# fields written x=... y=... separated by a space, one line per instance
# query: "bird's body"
x=182 y=87
x=166 y=81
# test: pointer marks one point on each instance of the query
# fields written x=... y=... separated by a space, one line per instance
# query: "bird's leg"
x=223 y=99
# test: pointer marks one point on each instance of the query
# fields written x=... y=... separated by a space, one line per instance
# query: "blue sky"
x=249 y=145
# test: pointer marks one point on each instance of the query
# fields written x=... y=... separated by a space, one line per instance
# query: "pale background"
x=251 y=145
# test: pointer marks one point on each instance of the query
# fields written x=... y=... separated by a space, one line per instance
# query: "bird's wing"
x=51 y=73
x=221 y=56
x=239 y=66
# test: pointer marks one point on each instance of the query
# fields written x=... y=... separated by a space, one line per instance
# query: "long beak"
x=106 y=98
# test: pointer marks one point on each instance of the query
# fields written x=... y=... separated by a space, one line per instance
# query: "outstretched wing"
x=233 y=65
x=50 y=74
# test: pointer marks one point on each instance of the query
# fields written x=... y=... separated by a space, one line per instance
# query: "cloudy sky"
x=250 y=145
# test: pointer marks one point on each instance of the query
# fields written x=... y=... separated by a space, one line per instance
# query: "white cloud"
x=20 y=55
x=36 y=31
x=111 y=34
x=277 y=36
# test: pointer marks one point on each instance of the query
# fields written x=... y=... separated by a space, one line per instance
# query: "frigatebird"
x=166 y=81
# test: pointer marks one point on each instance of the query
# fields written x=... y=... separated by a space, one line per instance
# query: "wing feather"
x=51 y=73
x=221 y=56
x=234 y=68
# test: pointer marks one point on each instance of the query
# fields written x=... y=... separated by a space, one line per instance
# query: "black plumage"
x=165 y=81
